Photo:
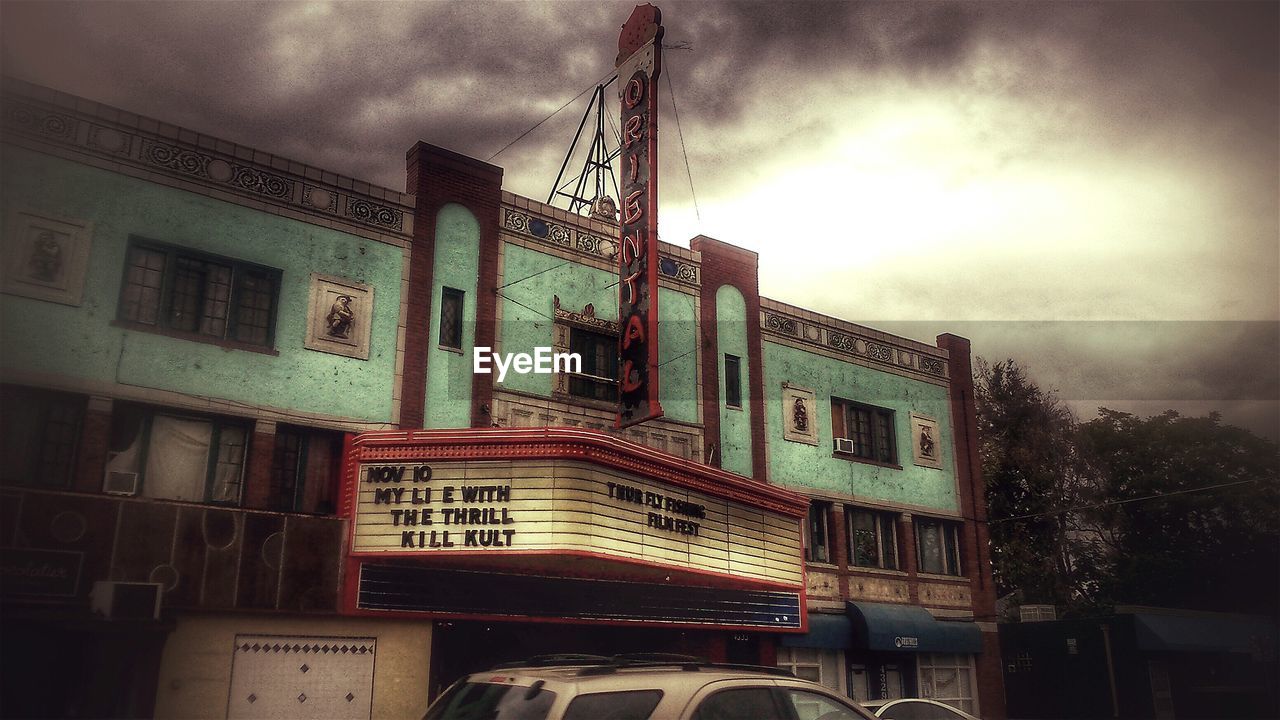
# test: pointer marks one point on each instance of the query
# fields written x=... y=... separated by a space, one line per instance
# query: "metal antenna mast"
x=596 y=169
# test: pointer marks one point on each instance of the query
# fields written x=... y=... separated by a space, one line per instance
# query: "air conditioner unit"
x=120 y=483
x=1037 y=613
x=844 y=445
x=125 y=600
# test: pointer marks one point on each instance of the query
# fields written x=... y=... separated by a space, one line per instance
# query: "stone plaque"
x=46 y=257
x=926 y=445
x=799 y=414
x=339 y=316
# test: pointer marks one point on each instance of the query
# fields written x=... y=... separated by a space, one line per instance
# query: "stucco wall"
x=532 y=279
x=195 y=672
x=81 y=343
x=457 y=265
x=735 y=422
x=805 y=466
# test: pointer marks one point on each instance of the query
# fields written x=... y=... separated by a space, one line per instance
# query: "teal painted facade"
x=804 y=466
x=457 y=266
x=531 y=280
x=81 y=343
x=735 y=422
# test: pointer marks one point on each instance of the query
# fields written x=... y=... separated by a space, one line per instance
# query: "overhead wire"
x=1120 y=502
x=683 y=151
x=522 y=135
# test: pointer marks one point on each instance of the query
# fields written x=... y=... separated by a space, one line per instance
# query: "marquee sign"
x=639 y=63
x=420 y=509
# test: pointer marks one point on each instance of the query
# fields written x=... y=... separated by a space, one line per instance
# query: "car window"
x=488 y=701
x=629 y=705
x=919 y=711
x=740 y=704
x=812 y=706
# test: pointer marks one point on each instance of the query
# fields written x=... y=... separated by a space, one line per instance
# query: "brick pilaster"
x=724 y=264
x=907 y=556
x=438 y=176
x=95 y=443
x=975 y=545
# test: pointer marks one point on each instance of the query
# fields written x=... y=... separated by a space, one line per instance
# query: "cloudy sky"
x=1092 y=189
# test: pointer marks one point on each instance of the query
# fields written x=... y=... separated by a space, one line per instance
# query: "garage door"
x=278 y=676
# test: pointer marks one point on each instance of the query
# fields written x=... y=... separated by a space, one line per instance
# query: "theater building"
x=249 y=468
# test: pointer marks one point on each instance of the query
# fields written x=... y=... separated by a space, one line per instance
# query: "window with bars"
x=938 y=546
x=303 y=470
x=38 y=443
x=451 y=318
x=199 y=296
x=599 y=377
x=873 y=538
x=868 y=429
x=818 y=540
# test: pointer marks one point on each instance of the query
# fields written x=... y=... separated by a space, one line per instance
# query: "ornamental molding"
x=587 y=318
x=846 y=342
x=215 y=164
x=581 y=242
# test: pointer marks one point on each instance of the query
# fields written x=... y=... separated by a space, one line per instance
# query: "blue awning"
x=1162 y=632
x=879 y=626
x=825 y=631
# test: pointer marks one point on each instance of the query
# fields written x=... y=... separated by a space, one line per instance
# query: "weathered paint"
x=81 y=343
x=735 y=422
x=457 y=265
x=805 y=466
x=532 y=279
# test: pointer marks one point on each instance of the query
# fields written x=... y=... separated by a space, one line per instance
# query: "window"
x=873 y=538
x=599 y=377
x=809 y=705
x=868 y=431
x=624 y=705
x=451 y=318
x=938 y=546
x=739 y=703
x=178 y=457
x=732 y=381
x=825 y=667
x=199 y=296
x=818 y=547
x=303 y=470
x=39 y=436
x=948 y=679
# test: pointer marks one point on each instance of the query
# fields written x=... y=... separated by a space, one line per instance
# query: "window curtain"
x=931 y=548
x=177 y=459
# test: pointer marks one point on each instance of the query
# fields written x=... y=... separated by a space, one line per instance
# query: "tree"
x=1032 y=471
x=1191 y=513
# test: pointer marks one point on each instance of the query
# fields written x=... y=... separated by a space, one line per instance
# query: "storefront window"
x=825 y=667
x=949 y=679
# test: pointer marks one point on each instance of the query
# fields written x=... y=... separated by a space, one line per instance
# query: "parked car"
x=650 y=687
x=915 y=709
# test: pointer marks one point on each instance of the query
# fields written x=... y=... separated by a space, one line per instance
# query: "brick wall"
x=438 y=176
x=724 y=264
x=975 y=546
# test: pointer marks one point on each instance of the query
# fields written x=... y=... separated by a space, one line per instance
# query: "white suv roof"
x=645 y=687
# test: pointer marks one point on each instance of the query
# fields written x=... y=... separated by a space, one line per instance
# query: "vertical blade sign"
x=639 y=62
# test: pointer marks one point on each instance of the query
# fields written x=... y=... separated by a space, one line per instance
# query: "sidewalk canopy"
x=1162 y=632
x=825 y=631
x=879 y=626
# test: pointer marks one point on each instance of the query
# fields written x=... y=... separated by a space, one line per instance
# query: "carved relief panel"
x=46 y=257
x=799 y=414
x=339 y=316
x=926 y=445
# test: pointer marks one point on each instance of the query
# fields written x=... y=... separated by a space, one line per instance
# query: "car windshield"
x=490 y=701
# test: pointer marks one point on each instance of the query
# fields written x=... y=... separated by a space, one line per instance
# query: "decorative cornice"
x=587 y=318
x=150 y=146
x=571 y=444
x=845 y=339
x=589 y=244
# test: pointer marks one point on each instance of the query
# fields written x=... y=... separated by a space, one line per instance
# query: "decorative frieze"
x=229 y=170
x=589 y=244
x=866 y=347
